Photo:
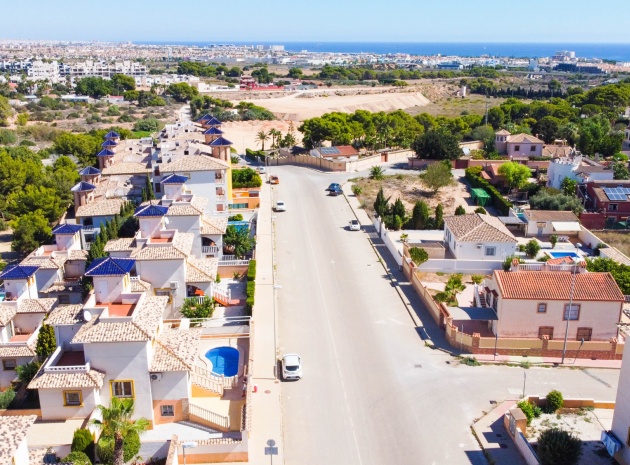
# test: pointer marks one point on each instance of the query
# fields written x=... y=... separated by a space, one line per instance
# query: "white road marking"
x=515 y=392
x=332 y=339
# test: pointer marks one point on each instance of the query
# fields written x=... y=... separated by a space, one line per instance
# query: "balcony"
x=67 y=362
x=209 y=249
x=220 y=198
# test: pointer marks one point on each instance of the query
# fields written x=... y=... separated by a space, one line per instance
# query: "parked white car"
x=261 y=169
x=280 y=206
x=291 y=366
x=355 y=225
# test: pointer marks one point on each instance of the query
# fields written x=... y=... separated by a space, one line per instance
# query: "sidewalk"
x=569 y=362
x=494 y=438
x=266 y=403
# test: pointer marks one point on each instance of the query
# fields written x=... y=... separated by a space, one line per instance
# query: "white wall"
x=150 y=227
x=188 y=224
x=470 y=251
x=21 y=456
x=21 y=288
x=68 y=242
x=74 y=268
x=460 y=266
x=124 y=361
x=6 y=376
x=202 y=183
x=621 y=418
x=52 y=400
x=160 y=273
x=65 y=333
x=525 y=449
x=172 y=386
x=114 y=287
x=45 y=277
x=27 y=322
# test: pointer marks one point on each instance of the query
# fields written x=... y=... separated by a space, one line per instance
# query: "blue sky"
x=316 y=20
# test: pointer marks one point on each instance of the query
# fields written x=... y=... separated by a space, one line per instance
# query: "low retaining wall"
x=447 y=265
x=394 y=156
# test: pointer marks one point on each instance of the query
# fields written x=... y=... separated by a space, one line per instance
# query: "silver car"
x=280 y=206
x=355 y=225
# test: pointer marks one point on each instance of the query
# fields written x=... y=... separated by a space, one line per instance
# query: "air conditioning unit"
x=156 y=376
x=174 y=284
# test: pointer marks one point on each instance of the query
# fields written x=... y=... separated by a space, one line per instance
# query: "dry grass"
x=410 y=189
x=619 y=240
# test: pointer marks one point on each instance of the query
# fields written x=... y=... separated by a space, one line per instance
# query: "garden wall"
x=460 y=266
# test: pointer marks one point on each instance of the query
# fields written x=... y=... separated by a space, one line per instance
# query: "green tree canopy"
x=515 y=174
x=122 y=83
x=30 y=231
x=238 y=241
x=437 y=144
x=182 y=91
x=545 y=201
x=437 y=176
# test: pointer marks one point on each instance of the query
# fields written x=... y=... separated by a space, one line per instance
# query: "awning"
x=472 y=313
x=566 y=226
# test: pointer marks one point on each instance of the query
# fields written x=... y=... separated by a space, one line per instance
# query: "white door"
x=100 y=287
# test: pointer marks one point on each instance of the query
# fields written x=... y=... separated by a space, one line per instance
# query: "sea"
x=617 y=51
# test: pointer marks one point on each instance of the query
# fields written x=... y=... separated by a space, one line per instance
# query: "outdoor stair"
x=199 y=426
x=482 y=299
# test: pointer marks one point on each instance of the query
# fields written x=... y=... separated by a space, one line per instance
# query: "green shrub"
x=418 y=255
x=131 y=447
x=249 y=305
x=481 y=210
x=460 y=210
x=251 y=271
x=470 y=361
x=555 y=401
x=237 y=217
x=356 y=190
x=77 y=458
x=532 y=248
x=6 y=397
x=530 y=410
x=558 y=447
x=477 y=278
x=83 y=441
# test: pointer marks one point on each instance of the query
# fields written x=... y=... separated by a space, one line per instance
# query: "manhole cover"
x=267 y=391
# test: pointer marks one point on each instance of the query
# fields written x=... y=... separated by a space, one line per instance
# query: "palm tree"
x=262 y=137
x=117 y=423
x=275 y=137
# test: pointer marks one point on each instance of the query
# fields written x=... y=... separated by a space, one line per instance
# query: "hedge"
x=83 y=441
x=473 y=175
x=254 y=155
x=251 y=271
x=249 y=302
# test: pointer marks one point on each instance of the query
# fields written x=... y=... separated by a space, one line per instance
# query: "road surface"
x=372 y=393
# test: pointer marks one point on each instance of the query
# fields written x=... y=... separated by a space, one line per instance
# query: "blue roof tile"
x=148 y=211
x=212 y=122
x=112 y=135
x=90 y=170
x=18 y=272
x=174 y=179
x=213 y=131
x=220 y=142
x=105 y=153
x=66 y=228
x=83 y=186
x=110 y=266
x=109 y=143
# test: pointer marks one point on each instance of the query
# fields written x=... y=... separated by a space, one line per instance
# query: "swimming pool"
x=573 y=255
x=224 y=360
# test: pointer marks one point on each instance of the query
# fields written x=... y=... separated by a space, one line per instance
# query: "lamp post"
x=568 y=316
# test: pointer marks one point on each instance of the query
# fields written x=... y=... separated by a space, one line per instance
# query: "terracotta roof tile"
x=556 y=285
x=560 y=261
x=100 y=207
x=195 y=207
x=550 y=215
x=90 y=379
x=176 y=350
x=142 y=327
x=15 y=350
x=477 y=227
x=214 y=225
x=78 y=254
x=201 y=270
x=7 y=312
x=66 y=315
x=180 y=247
x=195 y=163
x=36 y=305
x=523 y=138
x=12 y=434
x=45 y=262
x=138 y=285
x=126 y=167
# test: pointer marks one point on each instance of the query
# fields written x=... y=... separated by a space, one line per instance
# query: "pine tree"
x=46 y=342
x=439 y=216
x=420 y=215
x=381 y=203
x=149 y=189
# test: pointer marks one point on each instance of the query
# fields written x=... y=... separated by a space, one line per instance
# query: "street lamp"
x=187 y=445
x=568 y=316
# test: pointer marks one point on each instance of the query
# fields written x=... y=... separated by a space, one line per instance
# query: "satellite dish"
x=87 y=316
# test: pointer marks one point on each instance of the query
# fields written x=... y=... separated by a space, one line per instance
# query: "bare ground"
x=619 y=240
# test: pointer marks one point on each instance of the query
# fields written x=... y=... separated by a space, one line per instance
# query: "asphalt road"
x=372 y=393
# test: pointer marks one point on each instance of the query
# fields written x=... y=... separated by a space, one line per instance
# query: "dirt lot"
x=243 y=134
x=619 y=240
x=410 y=188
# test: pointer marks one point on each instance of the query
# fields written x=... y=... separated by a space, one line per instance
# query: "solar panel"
x=329 y=150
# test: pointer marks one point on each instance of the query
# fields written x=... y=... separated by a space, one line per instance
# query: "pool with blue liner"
x=224 y=361
x=573 y=255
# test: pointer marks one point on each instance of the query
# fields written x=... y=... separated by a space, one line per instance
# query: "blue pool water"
x=564 y=254
x=224 y=360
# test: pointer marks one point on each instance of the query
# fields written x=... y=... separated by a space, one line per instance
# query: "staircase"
x=208 y=418
x=482 y=300
x=204 y=379
x=222 y=295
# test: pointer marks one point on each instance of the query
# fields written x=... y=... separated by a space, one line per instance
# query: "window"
x=532 y=148
x=491 y=251
x=72 y=398
x=584 y=334
x=8 y=364
x=168 y=410
x=545 y=331
x=517 y=148
x=164 y=292
x=612 y=207
x=542 y=308
x=571 y=312
x=64 y=299
x=122 y=388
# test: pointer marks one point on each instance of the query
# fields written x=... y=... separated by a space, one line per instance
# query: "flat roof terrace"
x=120 y=309
x=70 y=359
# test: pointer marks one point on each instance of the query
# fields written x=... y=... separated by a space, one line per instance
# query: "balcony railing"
x=68 y=369
x=209 y=249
